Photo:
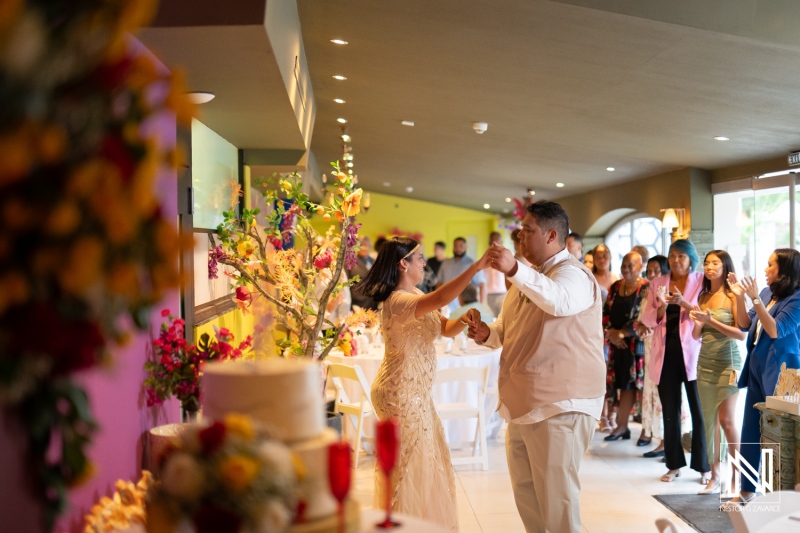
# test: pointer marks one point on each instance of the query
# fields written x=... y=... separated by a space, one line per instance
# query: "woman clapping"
x=772 y=340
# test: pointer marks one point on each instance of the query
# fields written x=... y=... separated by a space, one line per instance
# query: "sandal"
x=705 y=478
x=670 y=476
x=734 y=505
x=605 y=425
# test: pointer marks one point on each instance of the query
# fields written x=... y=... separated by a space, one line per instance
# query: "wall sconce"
x=675 y=218
x=365 y=201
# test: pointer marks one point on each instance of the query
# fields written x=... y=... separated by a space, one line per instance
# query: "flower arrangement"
x=175 y=367
x=85 y=248
x=397 y=232
x=224 y=478
x=297 y=282
x=520 y=208
x=363 y=318
x=124 y=510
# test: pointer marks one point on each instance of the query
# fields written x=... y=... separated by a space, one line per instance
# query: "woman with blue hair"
x=673 y=356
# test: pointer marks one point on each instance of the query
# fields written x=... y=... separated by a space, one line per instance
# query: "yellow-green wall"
x=239 y=324
x=435 y=222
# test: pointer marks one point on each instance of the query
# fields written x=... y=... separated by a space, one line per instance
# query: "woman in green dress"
x=719 y=362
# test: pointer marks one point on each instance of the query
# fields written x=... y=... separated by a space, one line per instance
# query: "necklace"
x=625 y=291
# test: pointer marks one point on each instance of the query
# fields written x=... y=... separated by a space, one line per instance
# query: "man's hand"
x=479 y=332
x=502 y=259
x=472 y=317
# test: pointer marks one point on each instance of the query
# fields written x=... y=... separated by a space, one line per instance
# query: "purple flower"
x=213 y=256
x=350 y=260
x=287 y=224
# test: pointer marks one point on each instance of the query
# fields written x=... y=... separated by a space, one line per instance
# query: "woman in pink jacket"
x=673 y=356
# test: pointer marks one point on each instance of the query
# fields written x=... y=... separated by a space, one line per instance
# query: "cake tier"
x=284 y=395
x=317 y=488
x=330 y=524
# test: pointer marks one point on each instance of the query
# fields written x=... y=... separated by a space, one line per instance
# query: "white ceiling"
x=567 y=91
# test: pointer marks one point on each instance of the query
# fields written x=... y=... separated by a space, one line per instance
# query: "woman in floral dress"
x=423 y=481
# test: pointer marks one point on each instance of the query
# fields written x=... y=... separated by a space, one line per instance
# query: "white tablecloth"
x=473 y=355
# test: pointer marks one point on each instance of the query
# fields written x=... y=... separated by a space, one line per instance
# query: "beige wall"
x=647 y=195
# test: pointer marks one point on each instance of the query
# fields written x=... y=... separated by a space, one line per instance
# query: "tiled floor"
x=617 y=488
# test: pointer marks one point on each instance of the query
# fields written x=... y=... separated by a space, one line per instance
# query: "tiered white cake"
x=285 y=396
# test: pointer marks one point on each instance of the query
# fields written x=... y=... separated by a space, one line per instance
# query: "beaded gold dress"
x=423 y=480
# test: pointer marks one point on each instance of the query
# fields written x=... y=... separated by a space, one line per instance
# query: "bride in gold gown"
x=423 y=481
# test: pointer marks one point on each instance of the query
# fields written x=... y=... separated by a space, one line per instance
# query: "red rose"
x=243 y=294
x=212 y=437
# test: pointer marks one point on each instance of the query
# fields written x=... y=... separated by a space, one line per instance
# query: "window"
x=752 y=220
x=631 y=231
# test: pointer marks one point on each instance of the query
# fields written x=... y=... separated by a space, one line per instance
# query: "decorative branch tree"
x=299 y=282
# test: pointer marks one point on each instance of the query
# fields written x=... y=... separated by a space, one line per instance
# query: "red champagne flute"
x=339 y=472
x=388 y=445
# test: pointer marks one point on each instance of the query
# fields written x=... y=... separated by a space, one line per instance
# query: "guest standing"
x=363 y=264
x=495 y=281
x=438 y=257
x=673 y=359
x=588 y=260
x=626 y=349
x=719 y=362
x=423 y=481
x=773 y=339
x=551 y=369
x=575 y=245
x=602 y=267
x=456 y=265
x=652 y=418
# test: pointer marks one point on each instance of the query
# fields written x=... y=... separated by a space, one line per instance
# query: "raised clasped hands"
x=472 y=317
x=500 y=258
x=478 y=331
x=699 y=316
x=485 y=261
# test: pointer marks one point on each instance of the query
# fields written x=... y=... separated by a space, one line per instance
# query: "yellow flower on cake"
x=352 y=204
x=237 y=472
x=240 y=425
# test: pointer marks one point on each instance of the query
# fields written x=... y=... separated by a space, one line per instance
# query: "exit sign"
x=794 y=159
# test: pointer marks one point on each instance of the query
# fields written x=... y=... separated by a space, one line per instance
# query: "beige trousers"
x=543 y=462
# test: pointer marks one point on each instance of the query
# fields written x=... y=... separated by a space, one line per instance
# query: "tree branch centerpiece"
x=299 y=282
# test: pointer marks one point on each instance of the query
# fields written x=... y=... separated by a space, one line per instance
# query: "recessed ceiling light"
x=407 y=123
x=200 y=97
x=508 y=200
x=531 y=192
x=338 y=41
x=559 y=184
x=341 y=120
x=387 y=184
x=611 y=169
x=409 y=189
x=486 y=206
x=339 y=77
x=350 y=164
x=350 y=171
x=346 y=138
x=338 y=100
x=721 y=138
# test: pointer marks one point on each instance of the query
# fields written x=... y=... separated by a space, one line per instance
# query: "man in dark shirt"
x=436 y=261
x=364 y=263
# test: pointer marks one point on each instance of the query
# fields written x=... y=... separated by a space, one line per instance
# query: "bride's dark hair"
x=383 y=277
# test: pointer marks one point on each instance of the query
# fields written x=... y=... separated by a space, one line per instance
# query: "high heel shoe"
x=713 y=489
x=625 y=435
x=643 y=442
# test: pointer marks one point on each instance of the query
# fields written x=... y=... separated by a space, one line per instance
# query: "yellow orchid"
x=352 y=204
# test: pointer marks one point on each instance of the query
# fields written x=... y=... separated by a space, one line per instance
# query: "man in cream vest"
x=552 y=372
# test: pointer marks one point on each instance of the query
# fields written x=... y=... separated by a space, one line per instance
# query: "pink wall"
x=118 y=403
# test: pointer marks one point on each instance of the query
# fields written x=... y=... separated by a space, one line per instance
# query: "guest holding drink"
x=719 y=361
x=673 y=358
x=626 y=348
x=773 y=338
x=423 y=481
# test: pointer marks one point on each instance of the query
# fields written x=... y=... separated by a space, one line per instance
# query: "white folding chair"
x=461 y=410
x=750 y=522
x=356 y=410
